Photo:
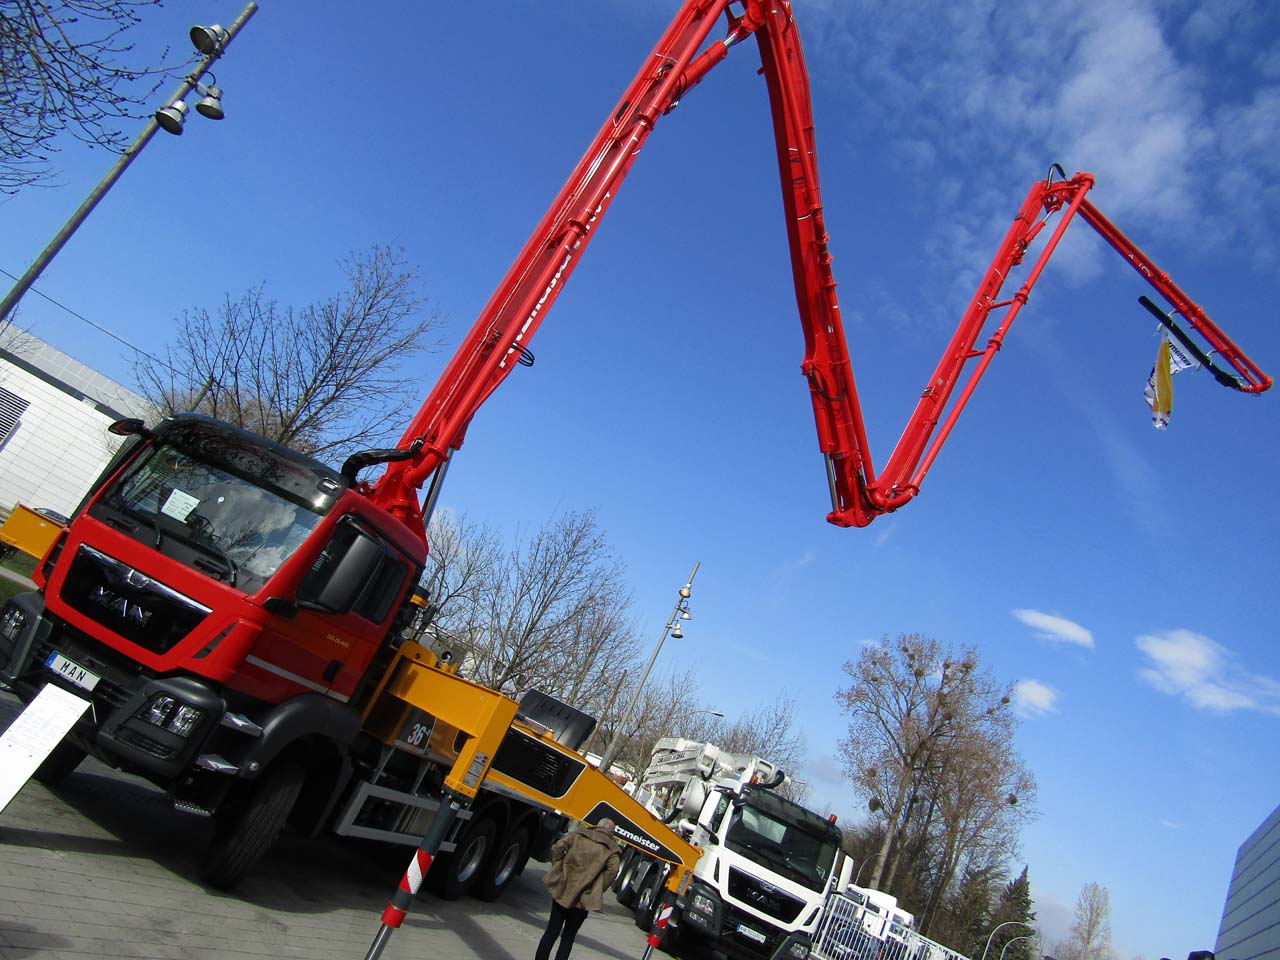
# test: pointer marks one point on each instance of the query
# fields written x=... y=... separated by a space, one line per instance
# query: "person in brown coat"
x=583 y=864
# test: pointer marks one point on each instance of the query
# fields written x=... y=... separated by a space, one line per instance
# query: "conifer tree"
x=966 y=915
x=1014 y=904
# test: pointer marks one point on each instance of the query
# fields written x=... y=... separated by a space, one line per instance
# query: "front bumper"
x=706 y=913
x=113 y=730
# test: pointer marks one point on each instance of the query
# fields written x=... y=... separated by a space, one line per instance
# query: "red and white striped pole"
x=402 y=899
x=661 y=919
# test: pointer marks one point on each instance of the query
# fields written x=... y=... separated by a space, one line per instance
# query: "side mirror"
x=281 y=607
x=130 y=427
x=345 y=568
x=708 y=816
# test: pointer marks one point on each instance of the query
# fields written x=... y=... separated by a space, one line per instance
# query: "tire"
x=59 y=764
x=623 y=891
x=647 y=901
x=504 y=863
x=458 y=871
x=247 y=833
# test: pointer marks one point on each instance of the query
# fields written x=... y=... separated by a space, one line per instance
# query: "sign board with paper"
x=33 y=735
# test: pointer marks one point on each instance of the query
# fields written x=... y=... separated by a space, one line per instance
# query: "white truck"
x=768 y=864
x=881 y=915
x=862 y=923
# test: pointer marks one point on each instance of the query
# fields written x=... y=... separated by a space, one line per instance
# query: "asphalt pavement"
x=105 y=867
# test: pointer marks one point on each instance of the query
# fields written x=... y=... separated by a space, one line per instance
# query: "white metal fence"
x=854 y=931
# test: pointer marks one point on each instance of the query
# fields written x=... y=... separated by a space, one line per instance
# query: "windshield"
x=242 y=531
x=771 y=839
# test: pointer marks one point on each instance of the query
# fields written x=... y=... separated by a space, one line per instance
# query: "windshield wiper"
x=216 y=549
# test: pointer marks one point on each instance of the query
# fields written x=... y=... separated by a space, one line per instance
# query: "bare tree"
x=668 y=707
x=1090 y=937
x=767 y=731
x=930 y=747
x=458 y=575
x=551 y=612
x=61 y=71
x=977 y=799
x=323 y=378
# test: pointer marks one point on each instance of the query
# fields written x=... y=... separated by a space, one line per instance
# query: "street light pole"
x=586 y=747
x=858 y=875
x=997 y=927
x=693 y=713
x=127 y=157
x=681 y=607
x=1015 y=940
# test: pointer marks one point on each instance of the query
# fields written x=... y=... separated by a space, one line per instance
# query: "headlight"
x=703 y=904
x=169 y=714
x=798 y=949
x=12 y=622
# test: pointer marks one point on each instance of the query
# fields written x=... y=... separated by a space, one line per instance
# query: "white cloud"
x=1031 y=698
x=1055 y=629
x=1189 y=665
x=1112 y=89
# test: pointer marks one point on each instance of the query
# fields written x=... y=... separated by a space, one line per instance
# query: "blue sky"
x=1122 y=577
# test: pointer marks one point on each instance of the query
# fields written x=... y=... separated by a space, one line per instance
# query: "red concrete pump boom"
x=499 y=339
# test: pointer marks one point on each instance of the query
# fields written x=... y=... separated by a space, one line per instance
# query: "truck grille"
x=138 y=608
x=764 y=897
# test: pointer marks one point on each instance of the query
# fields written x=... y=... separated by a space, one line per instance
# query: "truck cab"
x=768 y=863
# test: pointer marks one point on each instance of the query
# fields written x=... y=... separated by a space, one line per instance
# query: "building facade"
x=54 y=414
x=1250 y=928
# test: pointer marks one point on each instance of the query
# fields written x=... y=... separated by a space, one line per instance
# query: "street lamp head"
x=686 y=591
x=207 y=40
x=676 y=632
x=170 y=118
x=211 y=105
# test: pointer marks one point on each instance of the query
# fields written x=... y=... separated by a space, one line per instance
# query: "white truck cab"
x=768 y=863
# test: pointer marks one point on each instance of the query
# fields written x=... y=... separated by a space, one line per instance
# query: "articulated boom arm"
x=500 y=336
x=910 y=461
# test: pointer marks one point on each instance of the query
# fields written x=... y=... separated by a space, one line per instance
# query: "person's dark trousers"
x=567 y=919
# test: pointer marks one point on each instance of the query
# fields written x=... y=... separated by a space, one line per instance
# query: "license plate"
x=72 y=671
x=750 y=934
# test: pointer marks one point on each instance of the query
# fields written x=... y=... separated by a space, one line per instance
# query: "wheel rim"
x=507 y=864
x=646 y=898
x=472 y=857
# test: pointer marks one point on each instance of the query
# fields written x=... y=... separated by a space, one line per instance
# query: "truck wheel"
x=501 y=868
x=623 y=891
x=247 y=833
x=59 y=764
x=459 y=870
x=623 y=866
x=647 y=901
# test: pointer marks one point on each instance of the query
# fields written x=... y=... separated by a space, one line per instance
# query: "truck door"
x=344 y=607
